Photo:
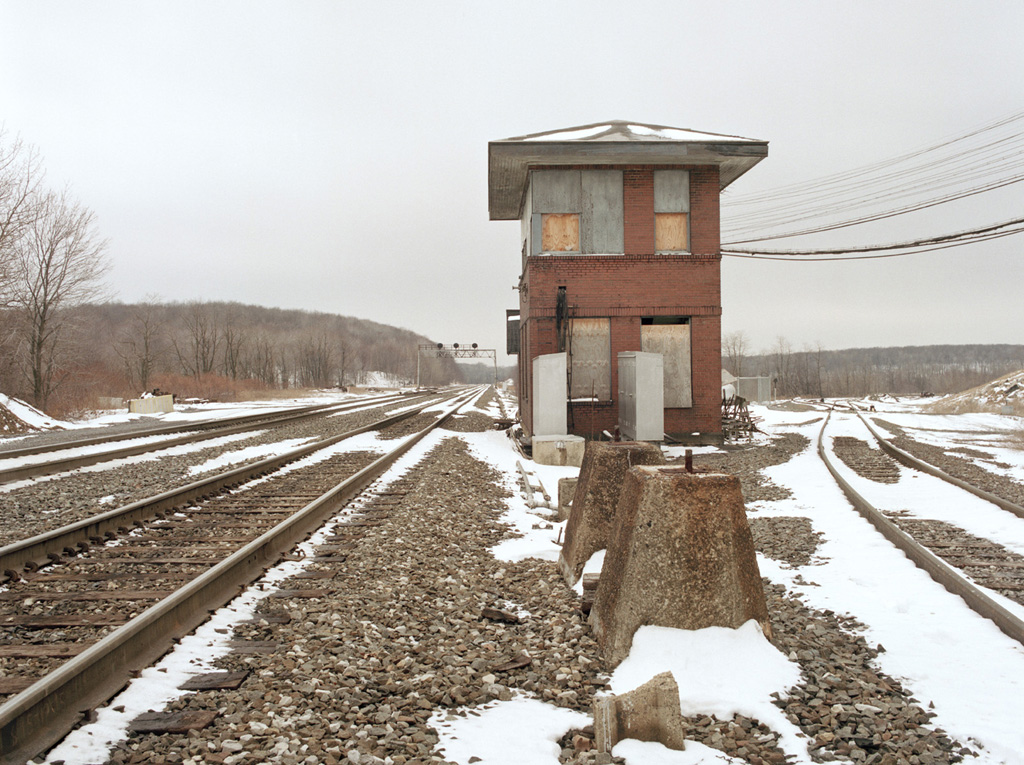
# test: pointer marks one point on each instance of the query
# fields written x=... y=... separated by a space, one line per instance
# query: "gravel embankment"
x=55 y=501
x=748 y=461
x=958 y=467
x=398 y=634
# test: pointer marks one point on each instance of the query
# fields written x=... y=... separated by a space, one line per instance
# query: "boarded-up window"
x=671 y=232
x=672 y=341
x=591 y=359
x=560 y=232
x=671 y=210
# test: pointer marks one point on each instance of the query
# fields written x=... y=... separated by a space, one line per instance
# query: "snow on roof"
x=625 y=130
x=615 y=142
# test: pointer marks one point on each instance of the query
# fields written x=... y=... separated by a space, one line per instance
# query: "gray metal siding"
x=602 y=224
x=526 y=227
x=556 y=191
x=671 y=191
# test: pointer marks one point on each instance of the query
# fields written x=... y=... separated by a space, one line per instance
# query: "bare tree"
x=59 y=263
x=315 y=361
x=819 y=367
x=198 y=353
x=735 y=349
x=140 y=346
x=782 y=358
x=233 y=342
x=20 y=177
x=343 y=360
x=260 y=360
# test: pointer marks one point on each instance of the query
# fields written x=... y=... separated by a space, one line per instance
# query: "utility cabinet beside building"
x=548 y=389
x=641 y=396
x=619 y=239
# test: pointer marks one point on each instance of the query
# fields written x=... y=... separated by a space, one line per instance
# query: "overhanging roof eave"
x=509 y=162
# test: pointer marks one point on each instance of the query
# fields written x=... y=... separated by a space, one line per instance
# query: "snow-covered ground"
x=183 y=413
x=943 y=653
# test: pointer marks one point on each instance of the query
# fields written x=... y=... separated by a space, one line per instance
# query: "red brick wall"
x=638 y=211
x=628 y=287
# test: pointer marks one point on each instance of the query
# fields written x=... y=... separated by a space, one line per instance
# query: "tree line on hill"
x=817 y=372
x=62 y=346
x=220 y=350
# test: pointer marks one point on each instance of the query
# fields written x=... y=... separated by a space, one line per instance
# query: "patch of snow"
x=719 y=671
x=514 y=732
x=652 y=753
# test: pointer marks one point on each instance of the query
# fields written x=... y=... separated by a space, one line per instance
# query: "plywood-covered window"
x=591 y=352
x=560 y=232
x=671 y=211
x=670 y=336
x=671 y=232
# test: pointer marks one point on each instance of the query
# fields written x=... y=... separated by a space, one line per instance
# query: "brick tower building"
x=620 y=252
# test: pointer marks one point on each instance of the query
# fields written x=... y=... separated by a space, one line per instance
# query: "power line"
x=895 y=249
x=953 y=169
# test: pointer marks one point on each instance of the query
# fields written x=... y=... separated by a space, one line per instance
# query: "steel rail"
x=48 y=547
x=41 y=715
x=27 y=451
x=935 y=567
x=39 y=469
x=925 y=467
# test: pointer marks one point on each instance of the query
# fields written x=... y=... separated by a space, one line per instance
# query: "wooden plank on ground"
x=215 y=681
x=171 y=722
x=42 y=651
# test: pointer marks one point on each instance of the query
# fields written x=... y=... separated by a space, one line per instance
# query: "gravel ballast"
x=51 y=502
x=398 y=633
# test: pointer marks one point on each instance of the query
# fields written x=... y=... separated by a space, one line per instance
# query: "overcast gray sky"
x=332 y=156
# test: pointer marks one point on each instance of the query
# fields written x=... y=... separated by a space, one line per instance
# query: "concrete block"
x=558 y=450
x=151 y=405
x=680 y=555
x=648 y=713
x=602 y=473
x=566 y=492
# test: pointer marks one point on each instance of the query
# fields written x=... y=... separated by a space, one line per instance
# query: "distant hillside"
x=484 y=373
x=218 y=349
x=864 y=371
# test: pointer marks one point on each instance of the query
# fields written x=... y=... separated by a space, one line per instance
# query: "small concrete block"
x=151 y=405
x=566 y=492
x=605 y=464
x=558 y=450
x=648 y=713
x=680 y=555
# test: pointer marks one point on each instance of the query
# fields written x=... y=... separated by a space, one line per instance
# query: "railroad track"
x=978 y=569
x=121 y=587
x=31 y=462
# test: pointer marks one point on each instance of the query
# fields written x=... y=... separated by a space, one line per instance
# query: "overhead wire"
x=871 y=193
x=944 y=241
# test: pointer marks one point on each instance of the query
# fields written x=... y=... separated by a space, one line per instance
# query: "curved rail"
x=210 y=429
x=39 y=716
x=936 y=568
x=925 y=467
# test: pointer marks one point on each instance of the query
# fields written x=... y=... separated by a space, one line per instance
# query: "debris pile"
x=10 y=423
x=1002 y=396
